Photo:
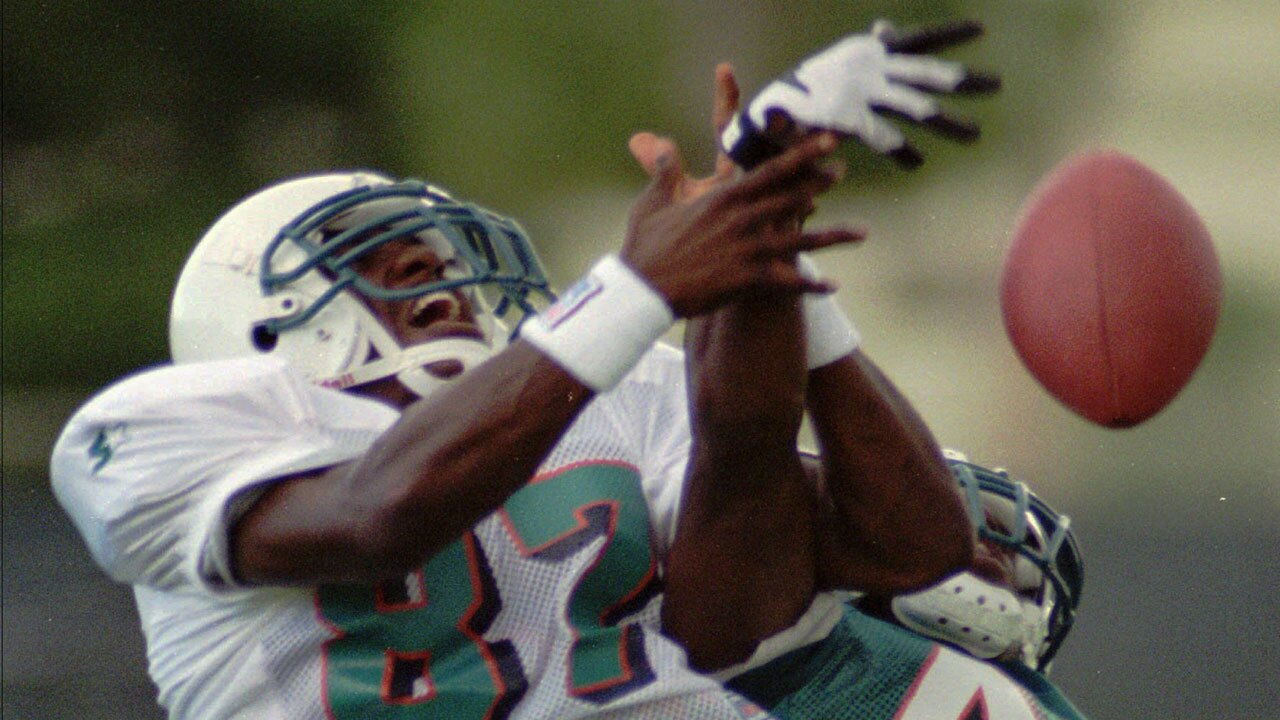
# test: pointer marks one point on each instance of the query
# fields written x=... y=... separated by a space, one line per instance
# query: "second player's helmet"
x=988 y=620
x=276 y=275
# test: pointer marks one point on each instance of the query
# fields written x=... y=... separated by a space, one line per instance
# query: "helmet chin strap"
x=964 y=610
x=470 y=352
x=408 y=364
x=467 y=351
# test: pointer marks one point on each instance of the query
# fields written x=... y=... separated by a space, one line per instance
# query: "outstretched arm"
x=460 y=453
x=742 y=564
x=889 y=515
x=891 y=519
x=756 y=539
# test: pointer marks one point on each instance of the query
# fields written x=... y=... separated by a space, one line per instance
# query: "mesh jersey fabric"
x=549 y=608
x=868 y=669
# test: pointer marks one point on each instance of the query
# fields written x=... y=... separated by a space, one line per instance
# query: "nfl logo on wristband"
x=572 y=300
x=599 y=342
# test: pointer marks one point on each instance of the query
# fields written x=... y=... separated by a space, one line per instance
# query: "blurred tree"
x=129 y=125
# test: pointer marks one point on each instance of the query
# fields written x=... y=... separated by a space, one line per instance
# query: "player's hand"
x=855 y=86
x=701 y=247
x=647 y=147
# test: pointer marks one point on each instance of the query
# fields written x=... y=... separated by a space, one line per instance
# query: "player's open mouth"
x=444 y=369
x=433 y=308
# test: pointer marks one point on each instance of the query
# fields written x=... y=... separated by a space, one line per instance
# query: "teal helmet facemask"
x=500 y=262
x=1022 y=617
x=1038 y=534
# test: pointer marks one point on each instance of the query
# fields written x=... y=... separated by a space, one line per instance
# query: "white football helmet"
x=988 y=620
x=275 y=274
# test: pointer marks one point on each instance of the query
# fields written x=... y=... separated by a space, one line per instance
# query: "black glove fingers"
x=948 y=126
x=978 y=83
x=906 y=156
x=932 y=39
x=953 y=128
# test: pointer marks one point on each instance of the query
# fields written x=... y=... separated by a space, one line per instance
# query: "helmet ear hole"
x=263 y=338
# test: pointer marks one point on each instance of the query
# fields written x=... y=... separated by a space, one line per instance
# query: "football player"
x=382 y=478
x=751 y=379
x=1013 y=605
x=977 y=645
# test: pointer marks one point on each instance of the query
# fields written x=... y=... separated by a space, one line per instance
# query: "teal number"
x=413 y=649
x=558 y=516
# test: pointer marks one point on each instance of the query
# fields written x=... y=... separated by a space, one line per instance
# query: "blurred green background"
x=128 y=126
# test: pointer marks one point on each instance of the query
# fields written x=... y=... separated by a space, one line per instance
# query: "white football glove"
x=853 y=85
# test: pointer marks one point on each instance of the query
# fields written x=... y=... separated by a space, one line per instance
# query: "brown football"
x=1111 y=288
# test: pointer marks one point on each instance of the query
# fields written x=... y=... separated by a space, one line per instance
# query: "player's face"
x=405 y=262
x=995 y=562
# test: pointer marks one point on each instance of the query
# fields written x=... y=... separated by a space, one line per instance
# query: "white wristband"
x=601 y=326
x=828 y=332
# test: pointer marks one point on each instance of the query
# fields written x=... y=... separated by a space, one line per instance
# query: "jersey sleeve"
x=153 y=470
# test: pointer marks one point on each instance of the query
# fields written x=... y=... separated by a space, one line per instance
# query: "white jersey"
x=548 y=608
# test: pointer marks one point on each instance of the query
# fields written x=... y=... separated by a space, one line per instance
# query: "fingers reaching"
x=735 y=237
x=780 y=272
x=936 y=38
x=954 y=128
x=979 y=83
x=646 y=148
x=801 y=172
x=727 y=97
x=948 y=126
x=906 y=156
x=660 y=158
x=932 y=39
x=855 y=84
x=784 y=243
